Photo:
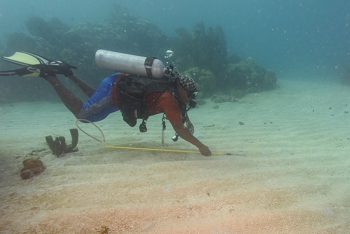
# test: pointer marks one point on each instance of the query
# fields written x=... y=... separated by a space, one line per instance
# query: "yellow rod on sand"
x=165 y=150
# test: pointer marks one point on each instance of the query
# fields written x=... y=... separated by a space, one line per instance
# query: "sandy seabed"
x=294 y=177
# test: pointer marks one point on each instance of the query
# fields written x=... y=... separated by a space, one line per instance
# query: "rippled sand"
x=294 y=177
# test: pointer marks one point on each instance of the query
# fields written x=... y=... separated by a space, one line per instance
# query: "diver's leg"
x=73 y=103
x=87 y=89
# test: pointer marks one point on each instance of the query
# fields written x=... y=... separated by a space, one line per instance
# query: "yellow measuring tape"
x=148 y=149
x=166 y=150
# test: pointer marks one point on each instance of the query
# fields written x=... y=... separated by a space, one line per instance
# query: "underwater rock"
x=269 y=81
x=32 y=167
x=52 y=31
x=31 y=163
x=203 y=48
x=205 y=80
x=249 y=76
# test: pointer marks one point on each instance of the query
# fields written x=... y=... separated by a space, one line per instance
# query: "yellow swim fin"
x=36 y=65
x=24 y=58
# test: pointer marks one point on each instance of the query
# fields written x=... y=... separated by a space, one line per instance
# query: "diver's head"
x=187 y=88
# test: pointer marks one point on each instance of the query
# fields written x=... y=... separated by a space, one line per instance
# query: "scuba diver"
x=137 y=95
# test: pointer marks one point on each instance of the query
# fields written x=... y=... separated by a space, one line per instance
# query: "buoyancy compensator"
x=132 y=91
x=146 y=74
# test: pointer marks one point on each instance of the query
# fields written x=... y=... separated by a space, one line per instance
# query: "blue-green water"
x=300 y=37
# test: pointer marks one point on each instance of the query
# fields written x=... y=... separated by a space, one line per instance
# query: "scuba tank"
x=130 y=64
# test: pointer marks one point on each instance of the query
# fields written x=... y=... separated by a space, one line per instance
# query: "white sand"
x=293 y=179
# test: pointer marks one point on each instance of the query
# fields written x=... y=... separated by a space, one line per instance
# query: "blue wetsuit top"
x=100 y=104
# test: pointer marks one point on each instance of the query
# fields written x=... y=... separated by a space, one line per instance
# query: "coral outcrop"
x=205 y=49
x=248 y=76
x=201 y=54
x=204 y=79
x=32 y=167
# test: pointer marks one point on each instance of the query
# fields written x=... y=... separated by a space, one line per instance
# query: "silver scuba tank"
x=130 y=64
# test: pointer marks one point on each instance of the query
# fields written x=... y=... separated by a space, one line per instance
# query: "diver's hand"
x=204 y=150
x=185 y=134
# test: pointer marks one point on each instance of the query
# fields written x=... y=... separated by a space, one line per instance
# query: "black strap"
x=148 y=65
x=163 y=123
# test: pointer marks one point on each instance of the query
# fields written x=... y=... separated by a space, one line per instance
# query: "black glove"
x=55 y=67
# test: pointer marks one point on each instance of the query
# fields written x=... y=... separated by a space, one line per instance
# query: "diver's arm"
x=185 y=134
